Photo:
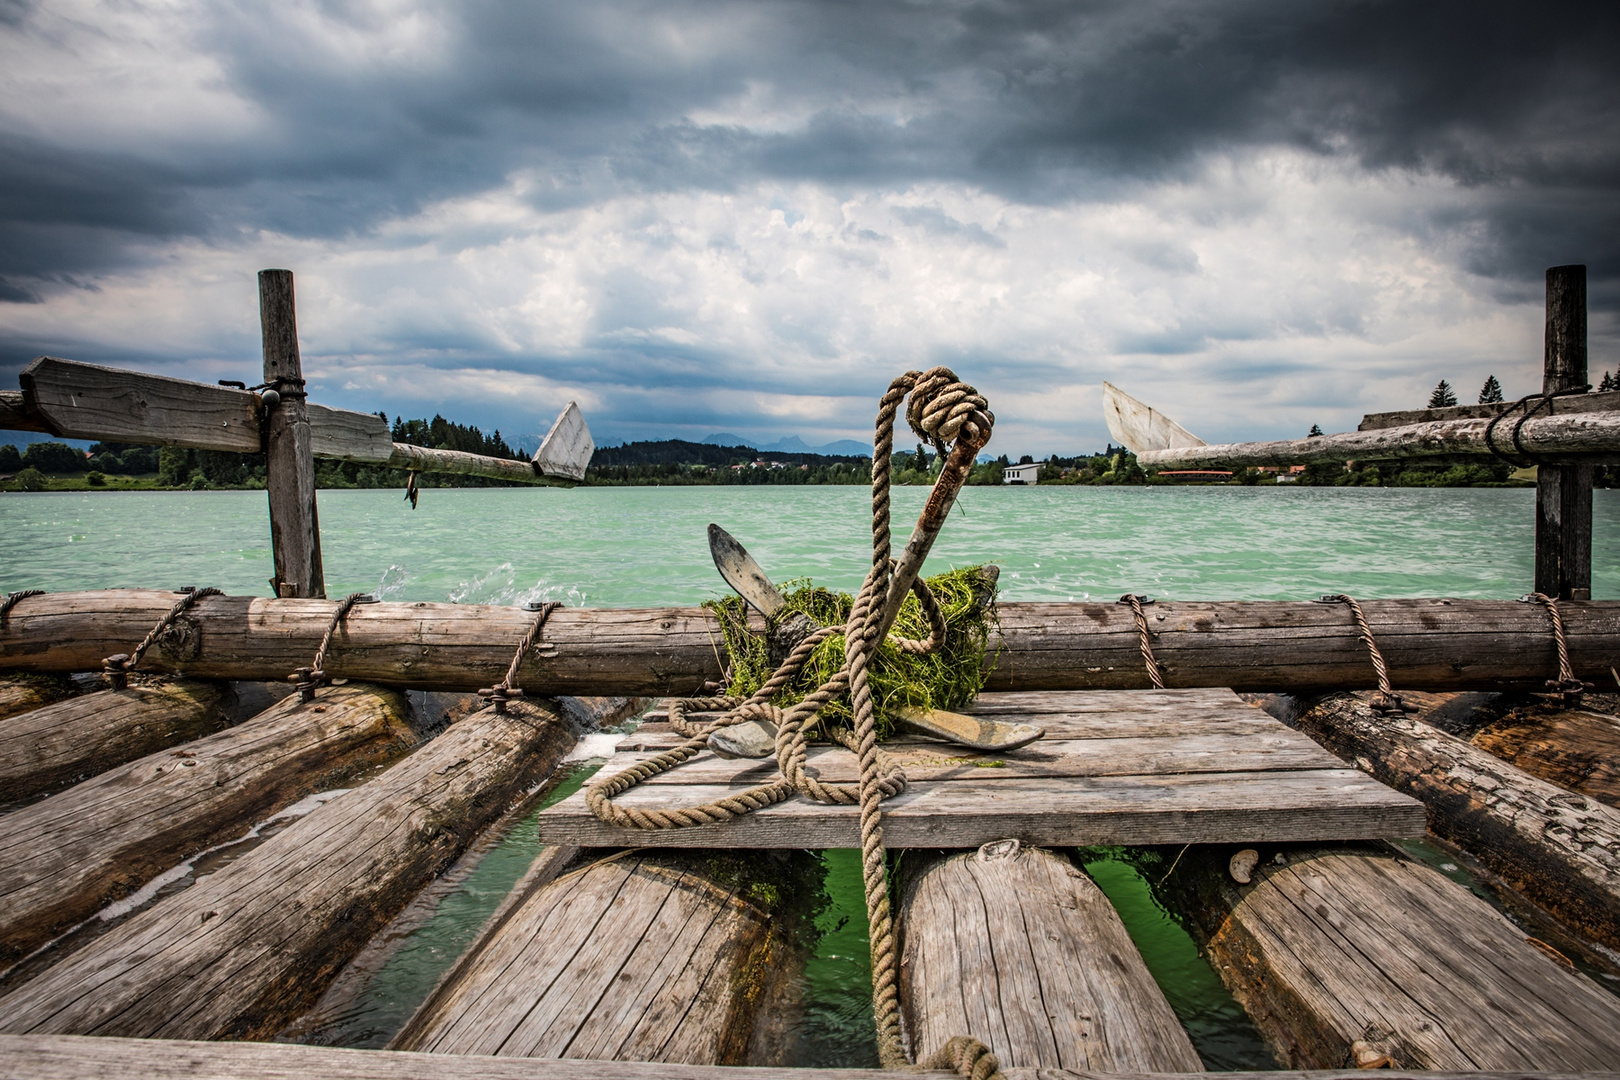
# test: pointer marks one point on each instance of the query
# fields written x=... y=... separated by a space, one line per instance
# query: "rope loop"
x=1567 y=684
x=968 y=1058
x=507 y=689
x=307 y=679
x=117 y=667
x=1155 y=674
x=1386 y=702
x=1526 y=411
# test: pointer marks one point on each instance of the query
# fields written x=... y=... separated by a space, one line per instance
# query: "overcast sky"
x=747 y=217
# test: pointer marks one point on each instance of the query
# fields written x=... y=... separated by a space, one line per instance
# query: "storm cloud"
x=745 y=216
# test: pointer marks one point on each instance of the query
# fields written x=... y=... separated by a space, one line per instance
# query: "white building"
x=1021 y=474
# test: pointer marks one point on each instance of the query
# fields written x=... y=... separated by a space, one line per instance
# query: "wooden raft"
x=1115 y=767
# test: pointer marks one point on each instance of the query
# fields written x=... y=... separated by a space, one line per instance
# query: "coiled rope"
x=1386 y=701
x=1567 y=684
x=118 y=666
x=1155 y=674
x=942 y=409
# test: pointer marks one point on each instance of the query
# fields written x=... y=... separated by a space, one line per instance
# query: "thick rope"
x=1386 y=701
x=1155 y=675
x=941 y=409
x=118 y=667
x=308 y=678
x=1566 y=684
x=12 y=599
x=507 y=689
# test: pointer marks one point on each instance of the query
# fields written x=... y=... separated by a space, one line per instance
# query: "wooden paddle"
x=757 y=738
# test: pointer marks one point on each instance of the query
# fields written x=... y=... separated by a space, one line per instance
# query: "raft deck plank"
x=1022 y=951
x=70 y=1057
x=1116 y=767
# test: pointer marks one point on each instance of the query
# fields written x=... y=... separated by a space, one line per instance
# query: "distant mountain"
x=792 y=445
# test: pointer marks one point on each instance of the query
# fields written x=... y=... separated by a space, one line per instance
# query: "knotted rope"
x=1566 y=684
x=507 y=689
x=1386 y=701
x=1155 y=675
x=12 y=599
x=118 y=666
x=308 y=678
x=941 y=409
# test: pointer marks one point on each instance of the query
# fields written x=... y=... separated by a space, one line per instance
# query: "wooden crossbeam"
x=76 y=400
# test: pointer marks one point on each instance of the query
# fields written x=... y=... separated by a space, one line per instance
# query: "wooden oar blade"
x=1141 y=427
x=567 y=448
x=742 y=573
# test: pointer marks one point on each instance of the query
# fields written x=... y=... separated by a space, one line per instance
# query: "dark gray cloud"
x=1037 y=102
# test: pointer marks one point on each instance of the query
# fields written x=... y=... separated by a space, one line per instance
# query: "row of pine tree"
x=1491 y=393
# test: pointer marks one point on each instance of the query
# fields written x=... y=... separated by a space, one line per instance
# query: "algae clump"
x=948 y=678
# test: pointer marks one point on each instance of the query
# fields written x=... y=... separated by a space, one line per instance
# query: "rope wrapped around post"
x=1155 y=675
x=118 y=666
x=307 y=679
x=941 y=410
x=507 y=689
x=1386 y=701
x=13 y=598
x=1571 y=688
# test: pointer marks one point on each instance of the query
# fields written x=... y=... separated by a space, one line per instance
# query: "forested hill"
x=681 y=452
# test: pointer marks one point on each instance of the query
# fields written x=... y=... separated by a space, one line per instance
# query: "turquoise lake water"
x=626 y=547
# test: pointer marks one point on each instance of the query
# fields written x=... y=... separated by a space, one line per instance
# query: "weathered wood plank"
x=1022 y=951
x=1593 y=436
x=69 y=1057
x=1268 y=646
x=243 y=951
x=63 y=859
x=24 y=693
x=1576 y=749
x=567 y=448
x=16 y=416
x=1209 y=808
x=289 y=459
x=1559 y=848
x=60 y=744
x=638 y=957
x=1337 y=948
x=1564 y=491
x=1608 y=401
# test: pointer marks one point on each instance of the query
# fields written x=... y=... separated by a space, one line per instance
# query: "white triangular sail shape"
x=567 y=447
x=1140 y=427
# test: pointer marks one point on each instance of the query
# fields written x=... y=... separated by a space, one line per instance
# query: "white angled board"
x=1141 y=427
x=567 y=447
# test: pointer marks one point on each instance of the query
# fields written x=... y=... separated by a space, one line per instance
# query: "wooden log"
x=1340 y=954
x=22 y=693
x=88 y=401
x=636 y=956
x=63 y=859
x=1559 y=848
x=1018 y=948
x=60 y=744
x=1581 y=438
x=289 y=461
x=245 y=950
x=1608 y=401
x=1248 y=645
x=1576 y=749
x=1564 y=492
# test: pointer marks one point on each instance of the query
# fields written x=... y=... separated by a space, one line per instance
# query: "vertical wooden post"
x=289 y=463
x=1564 y=492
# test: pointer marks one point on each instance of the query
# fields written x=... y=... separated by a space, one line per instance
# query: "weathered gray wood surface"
x=1339 y=947
x=1557 y=847
x=243 y=951
x=87 y=401
x=1564 y=492
x=1577 y=749
x=60 y=744
x=289 y=460
x=1589 y=437
x=1023 y=952
x=68 y=1057
x=1267 y=646
x=63 y=859
x=23 y=693
x=1211 y=768
x=636 y=957
x=1608 y=401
